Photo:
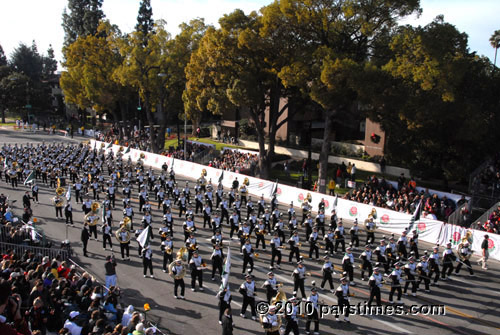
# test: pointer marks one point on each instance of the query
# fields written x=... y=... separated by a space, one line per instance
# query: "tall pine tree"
x=81 y=18
x=145 y=23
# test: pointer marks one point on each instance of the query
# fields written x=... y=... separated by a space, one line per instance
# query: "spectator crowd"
x=235 y=161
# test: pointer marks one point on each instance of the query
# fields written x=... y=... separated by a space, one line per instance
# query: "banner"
x=431 y=231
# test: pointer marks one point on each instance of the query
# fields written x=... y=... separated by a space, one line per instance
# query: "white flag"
x=226 y=271
x=143 y=237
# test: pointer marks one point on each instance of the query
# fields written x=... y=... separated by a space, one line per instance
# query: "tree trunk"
x=3 y=115
x=325 y=151
x=160 y=137
x=152 y=137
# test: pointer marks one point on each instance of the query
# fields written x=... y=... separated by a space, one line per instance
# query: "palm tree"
x=495 y=43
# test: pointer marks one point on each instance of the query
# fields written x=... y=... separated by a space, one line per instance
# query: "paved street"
x=471 y=302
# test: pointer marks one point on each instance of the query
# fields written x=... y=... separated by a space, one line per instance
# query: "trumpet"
x=256 y=255
x=168 y=251
x=192 y=246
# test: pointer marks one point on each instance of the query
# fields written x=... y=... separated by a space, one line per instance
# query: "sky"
x=28 y=20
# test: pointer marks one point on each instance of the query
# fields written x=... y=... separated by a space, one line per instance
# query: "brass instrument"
x=280 y=297
x=260 y=232
x=60 y=191
x=182 y=254
x=94 y=221
x=95 y=206
x=189 y=229
x=246 y=181
x=118 y=237
x=192 y=246
x=370 y=230
x=126 y=223
x=168 y=251
x=178 y=276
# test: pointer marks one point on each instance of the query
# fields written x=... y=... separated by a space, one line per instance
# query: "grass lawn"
x=218 y=145
x=8 y=124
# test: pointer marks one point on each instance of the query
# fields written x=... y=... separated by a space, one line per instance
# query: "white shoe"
x=399 y=301
x=151 y=276
x=213 y=278
x=182 y=297
x=346 y=319
x=220 y=322
x=254 y=318
x=242 y=315
x=390 y=302
x=406 y=294
x=193 y=289
x=202 y=289
x=176 y=297
x=352 y=283
x=144 y=276
x=427 y=291
x=165 y=271
x=414 y=294
x=316 y=333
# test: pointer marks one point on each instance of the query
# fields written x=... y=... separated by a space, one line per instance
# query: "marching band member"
x=291 y=211
x=329 y=238
x=209 y=197
x=293 y=224
x=225 y=299
x=276 y=250
x=271 y=322
x=106 y=236
x=247 y=290
x=292 y=324
x=414 y=244
x=198 y=198
x=182 y=204
x=57 y=204
x=247 y=256
x=410 y=271
x=167 y=248
x=375 y=283
x=84 y=237
x=123 y=237
x=305 y=210
x=161 y=197
x=252 y=220
x=402 y=245
x=261 y=206
x=147 y=261
x=234 y=222
x=309 y=223
x=380 y=253
x=260 y=232
x=243 y=193
x=143 y=196
x=191 y=245
x=320 y=221
x=333 y=220
x=327 y=270
x=314 y=316
x=243 y=234
x=348 y=265
x=396 y=282
x=294 y=242
x=217 y=260
x=339 y=236
x=216 y=222
x=178 y=271
x=249 y=207
x=237 y=205
x=166 y=204
x=224 y=211
x=275 y=215
x=271 y=287
x=68 y=213
x=219 y=194
x=448 y=259
x=266 y=217
x=464 y=254
x=34 y=192
x=207 y=215
x=343 y=294
x=78 y=191
x=370 y=230
x=423 y=273
x=313 y=247
x=299 y=277
x=366 y=259
x=196 y=265
x=279 y=227
x=189 y=227
x=391 y=251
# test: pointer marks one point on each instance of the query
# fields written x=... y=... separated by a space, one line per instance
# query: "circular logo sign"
x=278 y=191
x=301 y=197
x=385 y=219
x=327 y=204
x=491 y=244
x=353 y=211
x=456 y=236
x=261 y=184
x=421 y=227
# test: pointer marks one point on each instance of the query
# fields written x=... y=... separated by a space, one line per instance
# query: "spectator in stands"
x=11 y=320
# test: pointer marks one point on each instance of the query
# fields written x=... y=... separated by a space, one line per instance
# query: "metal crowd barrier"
x=20 y=249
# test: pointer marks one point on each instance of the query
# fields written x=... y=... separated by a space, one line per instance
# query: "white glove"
x=275 y=324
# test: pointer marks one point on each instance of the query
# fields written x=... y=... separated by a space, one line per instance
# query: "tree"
x=3 y=58
x=145 y=23
x=439 y=108
x=90 y=65
x=235 y=69
x=83 y=19
x=495 y=43
x=141 y=68
x=335 y=41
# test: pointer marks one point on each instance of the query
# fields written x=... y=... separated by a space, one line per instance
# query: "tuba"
x=126 y=223
x=57 y=200
x=118 y=235
x=182 y=254
x=177 y=276
x=92 y=221
x=95 y=206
